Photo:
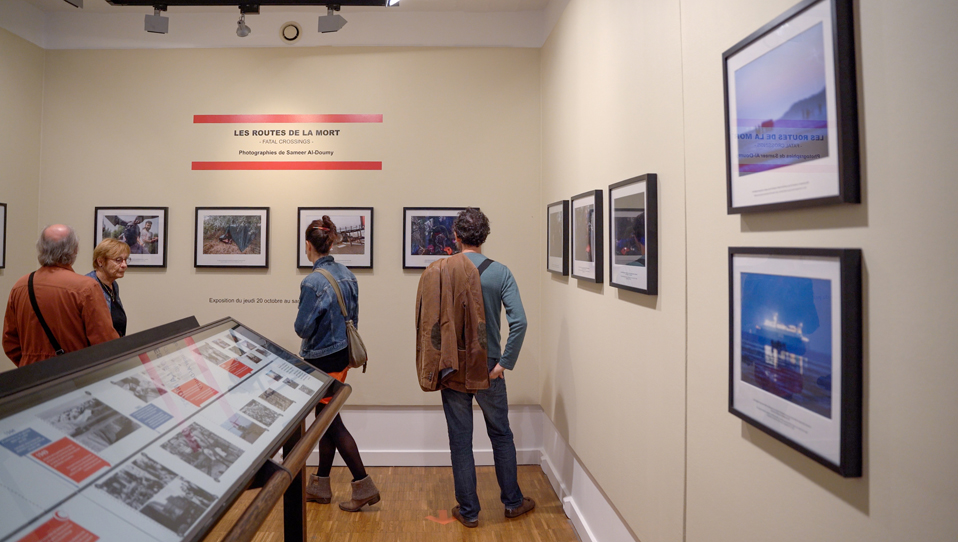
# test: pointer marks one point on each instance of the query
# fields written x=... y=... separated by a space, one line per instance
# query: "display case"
x=153 y=436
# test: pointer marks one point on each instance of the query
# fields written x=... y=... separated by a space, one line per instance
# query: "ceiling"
x=469 y=6
x=56 y=24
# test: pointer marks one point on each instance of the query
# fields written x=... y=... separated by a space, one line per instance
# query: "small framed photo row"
x=355 y=227
x=557 y=233
x=427 y=235
x=633 y=235
x=231 y=237
x=791 y=111
x=795 y=364
x=587 y=236
x=3 y=235
x=144 y=229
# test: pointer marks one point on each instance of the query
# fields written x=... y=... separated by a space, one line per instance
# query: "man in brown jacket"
x=71 y=304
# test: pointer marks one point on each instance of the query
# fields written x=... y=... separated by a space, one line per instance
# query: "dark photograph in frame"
x=795 y=349
x=427 y=235
x=3 y=235
x=144 y=229
x=231 y=237
x=355 y=228
x=791 y=111
x=586 y=245
x=557 y=237
x=633 y=234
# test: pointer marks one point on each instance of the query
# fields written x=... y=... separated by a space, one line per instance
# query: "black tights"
x=337 y=437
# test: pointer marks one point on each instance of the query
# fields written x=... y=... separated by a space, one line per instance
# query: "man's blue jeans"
x=495 y=410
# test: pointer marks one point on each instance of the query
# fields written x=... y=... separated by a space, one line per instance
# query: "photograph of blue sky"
x=767 y=87
x=786 y=338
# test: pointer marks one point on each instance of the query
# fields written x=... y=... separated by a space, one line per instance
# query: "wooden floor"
x=415 y=506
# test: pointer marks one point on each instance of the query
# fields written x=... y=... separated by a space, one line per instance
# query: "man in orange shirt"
x=72 y=305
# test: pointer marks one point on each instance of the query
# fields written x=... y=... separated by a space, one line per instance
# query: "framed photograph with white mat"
x=795 y=349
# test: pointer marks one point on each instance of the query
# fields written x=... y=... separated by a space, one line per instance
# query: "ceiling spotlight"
x=241 y=29
x=157 y=23
x=331 y=22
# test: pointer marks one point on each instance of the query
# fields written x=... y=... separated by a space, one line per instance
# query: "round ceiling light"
x=290 y=32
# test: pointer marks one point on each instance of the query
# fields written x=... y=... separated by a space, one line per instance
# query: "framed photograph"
x=427 y=235
x=231 y=237
x=557 y=233
x=791 y=111
x=355 y=226
x=795 y=349
x=587 y=236
x=3 y=235
x=633 y=235
x=144 y=229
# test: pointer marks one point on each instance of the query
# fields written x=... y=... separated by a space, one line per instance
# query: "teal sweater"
x=499 y=288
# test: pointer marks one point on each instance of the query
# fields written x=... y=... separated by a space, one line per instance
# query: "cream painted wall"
x=614 y=361
x=21 y=107
x=742 y=484
x=461 y=127
x=630 y=87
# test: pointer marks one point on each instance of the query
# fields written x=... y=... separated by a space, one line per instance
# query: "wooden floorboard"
x=410 y=497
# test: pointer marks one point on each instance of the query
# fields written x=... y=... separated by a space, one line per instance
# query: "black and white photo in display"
x=791 y=111
x=3 y=235
x=231 y=237
x=795 y=356
x=557 y=235
x=144 y=229
x=633 y=234
x=427 y=235
x=355 y=227
x=587 y=236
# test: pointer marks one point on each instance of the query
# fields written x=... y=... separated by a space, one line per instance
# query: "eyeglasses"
x=120 y=260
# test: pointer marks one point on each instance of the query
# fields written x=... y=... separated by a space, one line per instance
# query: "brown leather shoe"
x=527 y=505
x=364 y=492
x=318 y=490
x=471 y=523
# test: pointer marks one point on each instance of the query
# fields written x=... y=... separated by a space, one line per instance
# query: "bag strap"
x=485 y=263
x=335 y=285
x=43 y=323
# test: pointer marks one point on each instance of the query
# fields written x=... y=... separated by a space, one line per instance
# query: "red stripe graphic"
x=285 y=119
x=287 y=166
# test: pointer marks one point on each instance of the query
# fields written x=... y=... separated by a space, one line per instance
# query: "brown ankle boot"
x=364 y=492
x=318 y=490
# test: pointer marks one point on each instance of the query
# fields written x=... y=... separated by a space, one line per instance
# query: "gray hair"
x=62 y=251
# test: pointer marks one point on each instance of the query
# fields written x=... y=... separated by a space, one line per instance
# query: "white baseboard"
x=416 y=437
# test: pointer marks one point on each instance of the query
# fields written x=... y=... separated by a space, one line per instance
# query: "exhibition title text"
x=283 y=133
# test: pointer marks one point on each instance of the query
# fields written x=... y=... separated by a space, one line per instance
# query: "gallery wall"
x=742 y=484
x=460 y=127
x=616 y=381
x=614 y=360
x=21 y=93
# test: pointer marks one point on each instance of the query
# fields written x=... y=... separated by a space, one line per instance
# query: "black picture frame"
x=557 y=238
x=795 y=349
x=787 y=144
x=586 y=236
x=633 y=234
x=354 y=233
x=245 y=247
x=3 y=235
x=417 y=252
x=135 y=226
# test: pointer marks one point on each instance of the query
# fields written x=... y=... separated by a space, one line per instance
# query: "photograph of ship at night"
x=787 y=338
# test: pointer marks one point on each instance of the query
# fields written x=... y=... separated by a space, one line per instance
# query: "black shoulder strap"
x=486 y=263
x=43 y=323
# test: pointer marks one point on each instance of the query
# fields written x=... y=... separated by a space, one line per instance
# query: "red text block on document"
x=60 y=529
x=70 y=459
x=236 y=367
x=195 y=392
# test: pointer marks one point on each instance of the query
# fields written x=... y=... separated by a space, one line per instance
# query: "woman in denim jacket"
x=321 y=324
